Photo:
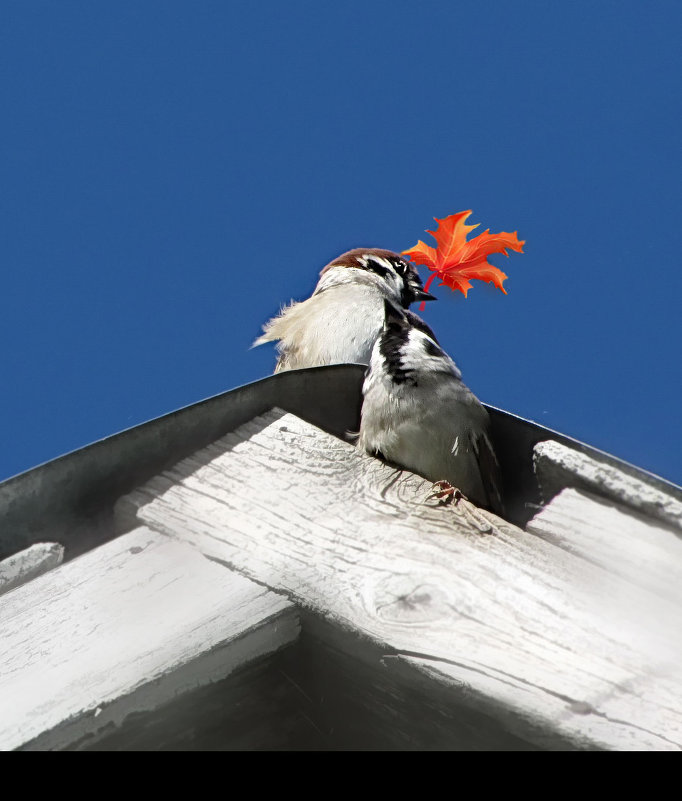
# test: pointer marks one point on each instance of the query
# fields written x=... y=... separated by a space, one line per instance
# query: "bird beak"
x=419 y=294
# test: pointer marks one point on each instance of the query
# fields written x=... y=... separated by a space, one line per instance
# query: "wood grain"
x=561 y=650
x=29 y=564
x=558 y=466
x=124 y=630
x=615 y=537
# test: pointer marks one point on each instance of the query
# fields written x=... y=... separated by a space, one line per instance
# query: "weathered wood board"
x=29 y=564
x=558 y=466
x=121 y=631
x=563 y=652
x=69 y=499
x=615 y=537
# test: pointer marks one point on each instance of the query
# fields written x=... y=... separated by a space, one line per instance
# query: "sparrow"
x=341 y=320
x=418 y=414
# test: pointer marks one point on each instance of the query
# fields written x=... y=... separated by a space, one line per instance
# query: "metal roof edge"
x=70 y=498
x=66 y=498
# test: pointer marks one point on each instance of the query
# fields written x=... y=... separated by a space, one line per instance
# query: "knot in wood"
x=408 y=601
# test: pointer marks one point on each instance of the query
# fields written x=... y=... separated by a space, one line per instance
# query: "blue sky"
x=171 y=172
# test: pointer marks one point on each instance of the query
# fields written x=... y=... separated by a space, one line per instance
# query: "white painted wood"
x=123 y=629
x=558 y=466
x=28 y=564
x=614 y=537
x=561 y=650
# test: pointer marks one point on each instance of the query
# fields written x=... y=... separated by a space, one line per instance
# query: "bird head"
x=394 y=276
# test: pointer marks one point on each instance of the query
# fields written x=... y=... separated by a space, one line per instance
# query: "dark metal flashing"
x=71 y=499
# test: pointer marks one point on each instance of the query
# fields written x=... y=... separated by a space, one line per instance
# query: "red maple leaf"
x=455 y=260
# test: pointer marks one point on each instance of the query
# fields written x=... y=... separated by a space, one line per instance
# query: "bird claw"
x=446 y=493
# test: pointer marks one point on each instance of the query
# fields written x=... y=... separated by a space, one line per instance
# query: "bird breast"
x=425 y=428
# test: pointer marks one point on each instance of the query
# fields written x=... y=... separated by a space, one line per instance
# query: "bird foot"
x=446 y=493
